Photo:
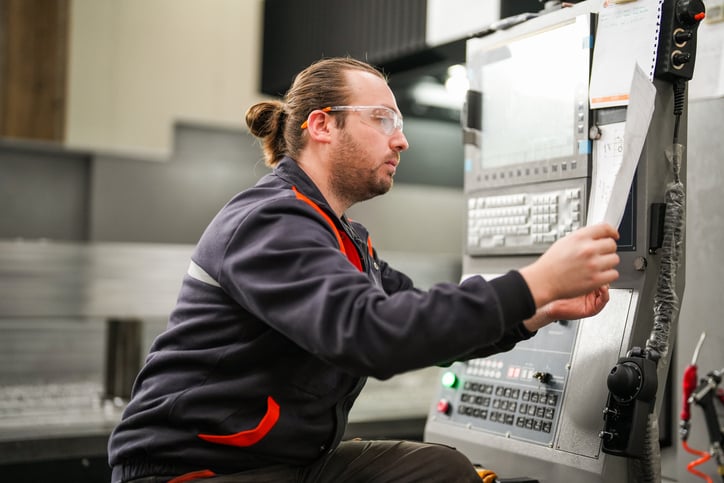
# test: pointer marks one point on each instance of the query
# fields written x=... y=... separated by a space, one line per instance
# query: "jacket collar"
x=288 y=170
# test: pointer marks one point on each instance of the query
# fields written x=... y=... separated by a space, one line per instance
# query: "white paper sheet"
x=617 y=152
x=627 y=34
x=708 y=80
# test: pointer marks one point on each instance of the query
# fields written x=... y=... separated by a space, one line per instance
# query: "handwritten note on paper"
x=616 y=154
x=607 y=159
x=627 y=34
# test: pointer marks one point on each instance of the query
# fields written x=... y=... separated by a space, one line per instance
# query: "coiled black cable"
x=666 y=301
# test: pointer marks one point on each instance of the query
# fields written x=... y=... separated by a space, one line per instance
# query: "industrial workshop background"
x=121 y=134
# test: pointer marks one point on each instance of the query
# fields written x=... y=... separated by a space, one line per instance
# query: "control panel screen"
x=527 y=109
x=532 y=117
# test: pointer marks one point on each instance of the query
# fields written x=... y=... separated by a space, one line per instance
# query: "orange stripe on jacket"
x=194 y=475
x=250 y=436
x=346 y=246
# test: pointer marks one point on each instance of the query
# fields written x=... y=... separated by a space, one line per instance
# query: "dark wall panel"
x=44 y=194
x=508 y=9
x=172 y=201
x=382 y=32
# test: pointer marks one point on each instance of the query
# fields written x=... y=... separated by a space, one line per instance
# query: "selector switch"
x=680 y=58
x=681 y=36
x=543 y=377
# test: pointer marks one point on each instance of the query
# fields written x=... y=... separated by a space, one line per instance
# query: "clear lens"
x=382 y=118
x=386 y=119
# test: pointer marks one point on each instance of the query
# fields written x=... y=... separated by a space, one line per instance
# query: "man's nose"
x=399 y=142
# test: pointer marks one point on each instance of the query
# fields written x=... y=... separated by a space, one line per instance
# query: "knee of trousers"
x=447 y=458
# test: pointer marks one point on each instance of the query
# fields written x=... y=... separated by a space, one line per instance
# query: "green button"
x=449 y=379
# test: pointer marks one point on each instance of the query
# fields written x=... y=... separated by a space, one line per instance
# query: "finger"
x=604 y=294
x=609 y=261
x=605 y=245
x=600 y=230
x=607 y=230
x=608 y=276
x=601 y=263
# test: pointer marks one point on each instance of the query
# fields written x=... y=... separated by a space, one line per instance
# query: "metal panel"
x=171 y=201
x=46 y=279
x=43 y=192
x=701 y=305
x=599 y=342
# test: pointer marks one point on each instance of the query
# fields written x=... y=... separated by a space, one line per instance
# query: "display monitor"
x=533 y=112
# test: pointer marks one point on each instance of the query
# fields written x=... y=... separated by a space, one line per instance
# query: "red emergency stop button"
x=444 y=406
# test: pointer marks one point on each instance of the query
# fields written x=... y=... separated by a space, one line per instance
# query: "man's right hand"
x=574 y=265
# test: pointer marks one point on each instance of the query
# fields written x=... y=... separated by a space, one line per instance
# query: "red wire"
x=691 y=467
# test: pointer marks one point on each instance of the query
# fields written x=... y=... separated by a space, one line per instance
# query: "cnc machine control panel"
x=516 y=395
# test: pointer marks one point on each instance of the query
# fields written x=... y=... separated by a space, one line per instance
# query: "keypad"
x=522 y=219
x=523 y=408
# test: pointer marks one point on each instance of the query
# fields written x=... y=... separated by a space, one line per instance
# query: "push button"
x=444 y=406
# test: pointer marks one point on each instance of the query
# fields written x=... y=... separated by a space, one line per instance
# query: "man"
x=287 y=308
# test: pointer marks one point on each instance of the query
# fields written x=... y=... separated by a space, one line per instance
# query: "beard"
x=353 y=177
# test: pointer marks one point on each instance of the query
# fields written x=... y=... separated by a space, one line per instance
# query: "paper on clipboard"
x=627 y=35
x=617 y=152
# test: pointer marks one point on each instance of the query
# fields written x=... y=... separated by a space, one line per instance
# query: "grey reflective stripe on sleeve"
x=199 y=274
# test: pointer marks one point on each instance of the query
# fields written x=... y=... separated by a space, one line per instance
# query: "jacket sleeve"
x=283 y=264
x=392 y=280
x=511 y=337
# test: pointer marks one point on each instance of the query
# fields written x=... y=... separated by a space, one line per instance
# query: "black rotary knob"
x=624 y=381
x=690 y=12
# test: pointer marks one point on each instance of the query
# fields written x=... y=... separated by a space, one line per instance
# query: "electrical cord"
x=703 y=458
x=666 y=301
x=679 y=98
x=688 y=385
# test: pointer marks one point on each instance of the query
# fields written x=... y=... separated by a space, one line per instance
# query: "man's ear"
x=320 y=124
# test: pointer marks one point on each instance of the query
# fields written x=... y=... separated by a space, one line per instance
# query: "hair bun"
x=264 y=118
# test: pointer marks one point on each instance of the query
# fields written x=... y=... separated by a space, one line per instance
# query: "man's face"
x=364 y=157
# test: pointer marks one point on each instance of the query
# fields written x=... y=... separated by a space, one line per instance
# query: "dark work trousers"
x=360 y=461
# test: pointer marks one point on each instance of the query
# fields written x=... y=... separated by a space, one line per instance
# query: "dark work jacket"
x=285 y=311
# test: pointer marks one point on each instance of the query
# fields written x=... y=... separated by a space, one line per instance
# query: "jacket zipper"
x=357 y=242
x=341 y=411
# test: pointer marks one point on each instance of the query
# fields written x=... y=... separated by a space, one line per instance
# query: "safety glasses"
x=382 y=118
